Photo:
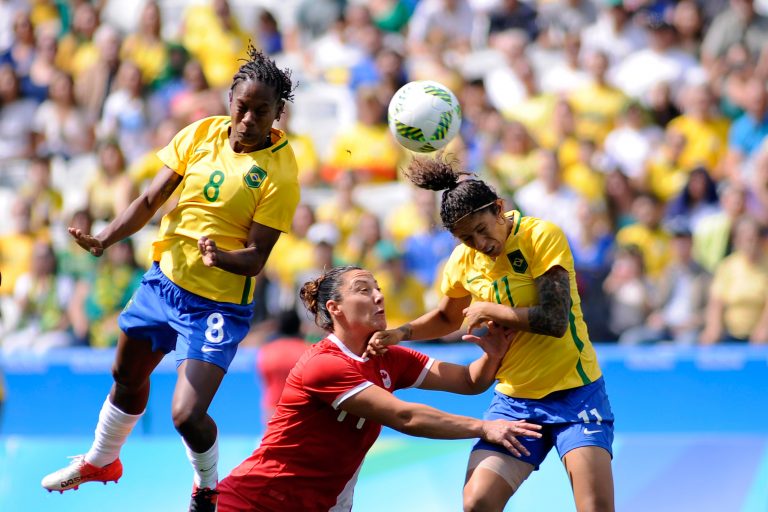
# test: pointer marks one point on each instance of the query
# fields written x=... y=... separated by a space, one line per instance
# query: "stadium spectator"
x=749 y=131
x=43 y=68
x=661 y=61
x=111 y=190
x=61 y=127
x=16 y=246
x=213 y=35
x=366 y=148
x=614 y=32
x=547 y=197
x=304 y=149
x=196 y=99
x=95 y=83
x=737 y=24
x=342 y=209
x=648 y=234
x=679 y=301
x=292 y=255
x=205 y=258
x=665 y=177
x=628 y=290
x=405 y=292
x=77 y=50
x=629 y=144
x=705 y=132
x=126 y=114
x=598 y=104
x=447 y=20
x=712 y=236
x=145 y=47
x=99 y=297
x=22 y=51
x=45 y=201
x=738 y=307
x=517 y=272
x=16 y=134
x=41 y=297
x=698 y=199
x=513 y=163
x=344 y=399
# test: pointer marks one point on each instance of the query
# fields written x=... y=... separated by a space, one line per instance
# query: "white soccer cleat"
x=79 y=472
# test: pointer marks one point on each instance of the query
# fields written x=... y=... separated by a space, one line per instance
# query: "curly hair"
x=261 y=68
x=317 y=292
x=462 y=194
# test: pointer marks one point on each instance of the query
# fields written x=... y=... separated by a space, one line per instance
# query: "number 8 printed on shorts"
x=215 y=331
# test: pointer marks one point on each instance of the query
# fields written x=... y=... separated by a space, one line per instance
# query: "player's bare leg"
x=134 y=363
x=196 y=385
x=492 y=478
x=589 y=469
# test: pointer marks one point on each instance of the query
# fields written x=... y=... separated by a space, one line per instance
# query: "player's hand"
x=493 y=338
x=88 y=242
x=506 y=433
x=380 y=340
x=208 y=251
x=476 y=315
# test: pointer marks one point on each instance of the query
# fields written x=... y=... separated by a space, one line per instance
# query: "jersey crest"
x=255 y=177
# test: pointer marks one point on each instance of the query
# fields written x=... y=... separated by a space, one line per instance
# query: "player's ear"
x=280 y=109
x=333 y=307
x=230 y=95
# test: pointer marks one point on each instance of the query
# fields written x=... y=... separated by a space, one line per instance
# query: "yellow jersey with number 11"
x=222 y=194
x=535 y=365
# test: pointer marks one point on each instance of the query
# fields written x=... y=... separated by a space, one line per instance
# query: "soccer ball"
x=424 y=116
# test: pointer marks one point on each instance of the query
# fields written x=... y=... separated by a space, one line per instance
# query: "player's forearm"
x=481 y=373
x=131 y=220
x=245 y=262
x=431 y=325
x=424 y=421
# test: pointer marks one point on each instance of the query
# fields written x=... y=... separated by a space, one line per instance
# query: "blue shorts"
x=570 y=419
x=174 y=319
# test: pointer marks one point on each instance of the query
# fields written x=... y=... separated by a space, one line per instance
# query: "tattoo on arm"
x=407 y=331
x=550 y=315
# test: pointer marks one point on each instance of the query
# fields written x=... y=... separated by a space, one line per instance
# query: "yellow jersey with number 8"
x=535 y=365
x=222 y=194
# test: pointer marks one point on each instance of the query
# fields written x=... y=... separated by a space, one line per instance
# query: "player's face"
x=483 y=231
x=254 y=106
x=362 y=302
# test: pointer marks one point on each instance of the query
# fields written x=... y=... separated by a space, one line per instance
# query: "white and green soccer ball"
x=424 y=116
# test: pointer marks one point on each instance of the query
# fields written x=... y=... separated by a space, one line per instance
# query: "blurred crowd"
x=638 y=126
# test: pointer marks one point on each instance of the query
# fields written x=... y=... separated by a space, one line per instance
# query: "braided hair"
x=462 y=195
x=261 y=68
x=316 y=293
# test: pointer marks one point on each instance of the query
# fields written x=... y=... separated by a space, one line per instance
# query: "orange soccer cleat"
x=203 y=500
x=79 y=472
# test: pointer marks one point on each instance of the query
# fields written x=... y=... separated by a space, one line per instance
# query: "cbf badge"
x=517 y=261
x=255 y=177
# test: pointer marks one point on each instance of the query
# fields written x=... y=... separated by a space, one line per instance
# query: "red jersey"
x=312 y=450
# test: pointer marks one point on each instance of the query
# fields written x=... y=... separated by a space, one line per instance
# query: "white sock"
x=111 y=432
x=205 y=465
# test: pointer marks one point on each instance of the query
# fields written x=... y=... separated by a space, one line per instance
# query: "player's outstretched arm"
x=477 y=376
x=444 y=319
x=377 y=404
x=245 y=262
x=134 y=217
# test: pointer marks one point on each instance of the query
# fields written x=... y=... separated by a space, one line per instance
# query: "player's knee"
x=127 y=379
x=479 y=502
x=185 y=416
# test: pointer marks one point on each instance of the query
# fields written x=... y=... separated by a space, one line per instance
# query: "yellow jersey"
x=222 y=194
x=535 y=364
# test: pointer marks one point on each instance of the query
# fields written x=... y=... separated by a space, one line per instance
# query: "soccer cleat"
x=203 y=500
x=79 y=472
